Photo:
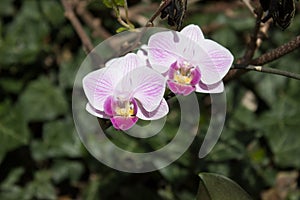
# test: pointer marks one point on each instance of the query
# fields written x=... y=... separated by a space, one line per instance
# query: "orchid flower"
x=189 y=61
x=124 y=91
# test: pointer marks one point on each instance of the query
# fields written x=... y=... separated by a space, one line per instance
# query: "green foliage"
x=41 y=100
x=113 y=3
x=41 y=156
x=13 y=128
x=215 y=187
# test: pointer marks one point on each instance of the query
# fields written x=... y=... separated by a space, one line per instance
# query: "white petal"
x=161 y=111
x=218 y=64
x=214 y=88
x=95 y=112
x=193 y=32
x=98 y=85
x=146 y=85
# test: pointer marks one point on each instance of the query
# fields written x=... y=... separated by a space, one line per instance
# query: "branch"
x=94 y=23
x=268 y=71
x=162 y=5
x=69 y=13
x=278 y=52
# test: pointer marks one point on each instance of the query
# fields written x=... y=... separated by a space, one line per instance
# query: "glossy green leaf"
x=121 y=29
x=111 y=3
x=41 y=100
x=41 y=187
x=24 y=38
x=13 y=128
x=50 y=7
x=66 y=169
x=217 y=187
x=280 y=127
x=59 y=139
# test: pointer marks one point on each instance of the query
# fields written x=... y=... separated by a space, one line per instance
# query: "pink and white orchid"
x=190 y=62
x=124 y=91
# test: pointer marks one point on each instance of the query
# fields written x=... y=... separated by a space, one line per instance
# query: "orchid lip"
x=184 y=73
x=119 y=106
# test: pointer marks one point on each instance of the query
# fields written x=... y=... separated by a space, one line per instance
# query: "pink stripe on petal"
x=97 y=86
x=162 y=51
x=217 y=65
x=146 y=85
x=193 y=32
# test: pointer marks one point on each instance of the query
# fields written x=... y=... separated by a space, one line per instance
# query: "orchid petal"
x=123 y=123
x=167 y=47
x=142 y=53
x=98 y=85
x=193 y=32
x=161 y=51
x=218 y=64
x=96 y=112
x=145 y=85
x=177 y=88
x=126 y=64
x=161 y=111
x=108 y=109
x=214 y=88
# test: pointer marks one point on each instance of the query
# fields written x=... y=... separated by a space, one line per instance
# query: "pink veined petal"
x=188 y=50
x=196 y=74
x=108 y=106
x=193 y=32
x=218 y=64
x=96 y=112
x=161 y=111
x=177 y=88
x=167 y=47
x=214 y=88
x=142 y=53
x=145 y=85
x=126 y=63
x=98 y=85
x=162 y=51
x=123 y=123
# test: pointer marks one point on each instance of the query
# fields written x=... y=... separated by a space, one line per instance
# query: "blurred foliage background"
x=41 y=156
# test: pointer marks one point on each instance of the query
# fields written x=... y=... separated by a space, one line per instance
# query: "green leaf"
x=216 y=187
x=59 y=140
x=11 y=85
x=53 y=11
x=121 y=29
x=24 y=38
x=280 y=127
x=12 y=178
x=41 y=100
x=6 y=8
x=112 y=3
x=13 y=128
x=41 y=187
x=66 y=169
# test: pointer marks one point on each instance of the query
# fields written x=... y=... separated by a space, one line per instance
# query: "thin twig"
x=162 y=5
x=268 y=70
x=278 y=52
x=69 y=13
x=252 y=46
x=126 y=12
x=94 y=23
